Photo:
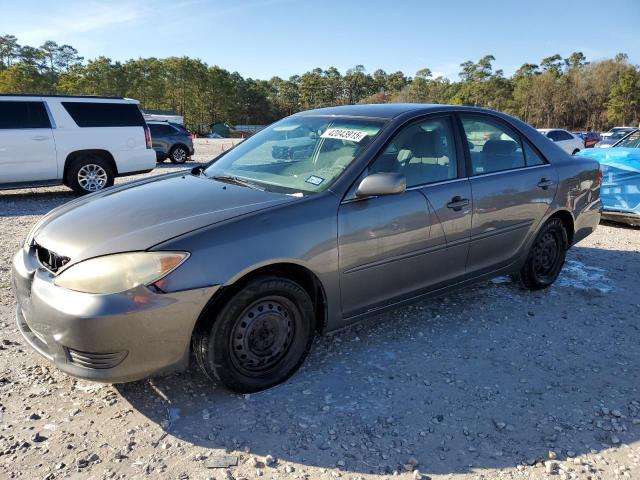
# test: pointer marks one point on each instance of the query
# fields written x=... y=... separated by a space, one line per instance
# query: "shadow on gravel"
x=18 y=203
x=488 y=377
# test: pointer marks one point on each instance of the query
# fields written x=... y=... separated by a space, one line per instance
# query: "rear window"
x=87 y=114
x=23 y=114
x=162 y=130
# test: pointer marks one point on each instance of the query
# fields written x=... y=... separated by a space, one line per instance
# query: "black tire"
x=259 y=337
x=79 y=179
x=178 y=154
x=546 y=256
x=575 y=151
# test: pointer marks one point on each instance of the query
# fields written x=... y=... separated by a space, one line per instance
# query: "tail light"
x=600 y=176
x=147 y=136
x=191 y=136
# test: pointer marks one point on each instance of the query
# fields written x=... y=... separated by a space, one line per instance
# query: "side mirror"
x=381 y=184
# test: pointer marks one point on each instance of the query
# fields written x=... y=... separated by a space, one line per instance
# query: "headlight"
x=119 y=272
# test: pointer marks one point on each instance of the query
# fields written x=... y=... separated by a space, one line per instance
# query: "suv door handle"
x=39 y=138
x=457 y=203
x=544 y=183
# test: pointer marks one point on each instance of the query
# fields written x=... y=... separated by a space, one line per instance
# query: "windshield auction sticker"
x=344 y=134
x=314 y=180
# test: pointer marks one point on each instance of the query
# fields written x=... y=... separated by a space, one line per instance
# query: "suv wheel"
x=88 y=175
x=259 y=337
x=178 y=154
x=546 y=257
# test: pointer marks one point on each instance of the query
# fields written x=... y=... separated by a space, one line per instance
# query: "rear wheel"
x=546 y=256
x=259 y=337
x=88 y=175
x=178 y=154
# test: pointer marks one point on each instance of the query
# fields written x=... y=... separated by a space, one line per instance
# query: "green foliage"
x=569 y=92
x=623 y=106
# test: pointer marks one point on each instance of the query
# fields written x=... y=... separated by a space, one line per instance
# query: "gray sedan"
x=319 y=220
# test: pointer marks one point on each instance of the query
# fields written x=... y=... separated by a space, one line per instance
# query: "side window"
x=493 y=147
x=104 y=114
x=564 y=135
x=553 y=135
x=19 y=114
x=531 y=156
x=424 y=152
x=155 y=130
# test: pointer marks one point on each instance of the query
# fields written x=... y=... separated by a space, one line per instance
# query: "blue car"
x=620 y=167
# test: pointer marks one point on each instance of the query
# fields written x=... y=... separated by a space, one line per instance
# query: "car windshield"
x=631 y=141
x=297 y=155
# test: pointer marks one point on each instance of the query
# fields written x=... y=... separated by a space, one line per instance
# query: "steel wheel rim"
x=545 y=254
x=92 y=177
x=262 y=335
x=179 y=155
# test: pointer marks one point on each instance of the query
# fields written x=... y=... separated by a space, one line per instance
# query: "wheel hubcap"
x=263 y=334
x=92 y=177
x=179 y=155
x=545 y=254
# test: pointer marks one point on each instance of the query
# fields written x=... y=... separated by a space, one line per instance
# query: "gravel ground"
x=488 y=382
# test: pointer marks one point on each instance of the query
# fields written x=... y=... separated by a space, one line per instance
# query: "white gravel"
x=488 y=382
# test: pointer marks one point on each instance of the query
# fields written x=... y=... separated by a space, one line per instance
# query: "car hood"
x=142 y=214
x=619 y=157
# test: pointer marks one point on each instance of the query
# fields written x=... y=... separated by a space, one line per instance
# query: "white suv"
x=81 y=142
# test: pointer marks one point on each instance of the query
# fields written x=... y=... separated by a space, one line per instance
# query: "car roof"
x=386 y=110
x=70 y=97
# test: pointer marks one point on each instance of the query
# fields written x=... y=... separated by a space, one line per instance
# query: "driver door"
x=394 y=247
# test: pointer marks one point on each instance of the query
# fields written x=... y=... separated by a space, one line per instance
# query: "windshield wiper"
x=238 y=181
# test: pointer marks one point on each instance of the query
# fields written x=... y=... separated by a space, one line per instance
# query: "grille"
x=95 y=360
x=50 y=260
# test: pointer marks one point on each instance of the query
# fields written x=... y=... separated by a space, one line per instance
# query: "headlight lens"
x=119 y=272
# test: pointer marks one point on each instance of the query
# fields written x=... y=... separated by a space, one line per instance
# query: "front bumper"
x=109 y=338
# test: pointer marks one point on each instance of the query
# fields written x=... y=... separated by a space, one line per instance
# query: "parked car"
x=172 y=141
x=81 y=142
x=569 y=142
x=613 y=136
x=244 y=261
x=620 y=190
x=589 y=138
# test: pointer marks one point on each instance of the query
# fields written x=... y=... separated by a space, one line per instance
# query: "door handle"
x=457 y=203
x=39 y=138
x=544 y=183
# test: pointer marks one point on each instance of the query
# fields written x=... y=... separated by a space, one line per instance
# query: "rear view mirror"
x=382 y=184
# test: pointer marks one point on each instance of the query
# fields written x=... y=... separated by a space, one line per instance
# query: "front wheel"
x=259 y=337
x=546 y=256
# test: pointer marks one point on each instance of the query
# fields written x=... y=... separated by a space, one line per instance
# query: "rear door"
x=27 y=148
x=396 y=246
x=512 y=187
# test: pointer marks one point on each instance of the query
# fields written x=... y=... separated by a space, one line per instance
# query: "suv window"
x=162 y=130
x=493 y=147
x=424 y=152
x=87 y=114
x=23 y=114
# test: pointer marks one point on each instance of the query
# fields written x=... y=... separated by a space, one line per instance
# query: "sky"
x=265 y=38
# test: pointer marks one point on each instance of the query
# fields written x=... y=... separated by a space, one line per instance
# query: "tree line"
x=557 y=92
